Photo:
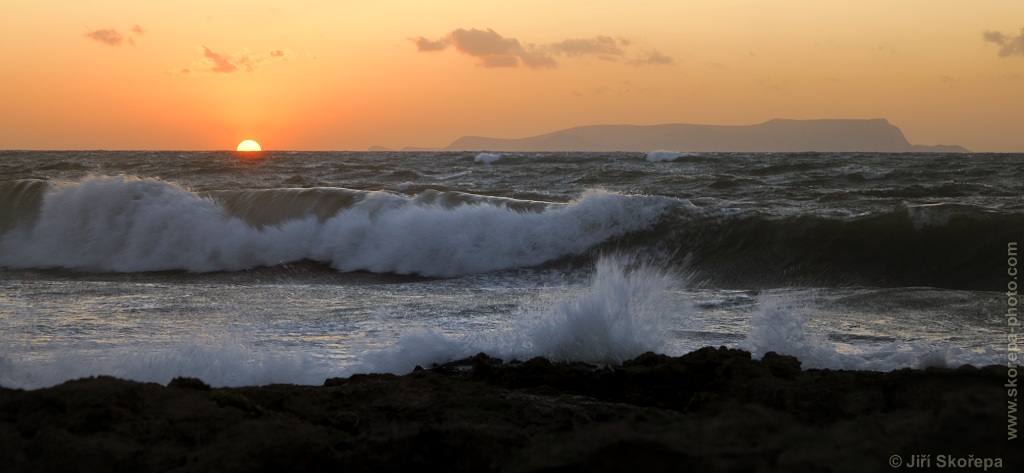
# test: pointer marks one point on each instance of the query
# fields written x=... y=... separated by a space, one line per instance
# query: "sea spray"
x=779 y=327
x=618 y=317
x=487 y=158
x=661 y=155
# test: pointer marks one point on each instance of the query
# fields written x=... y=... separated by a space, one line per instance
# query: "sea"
x=294 y=267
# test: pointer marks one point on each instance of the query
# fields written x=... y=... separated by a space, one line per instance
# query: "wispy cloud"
x=111 y=37
x=652 y=58
x=1009 y=45
x=491 y=48
x=243 y=60
x=219 y=63
x=494 y=50
x=107 y=36
x=484 y=43
x=426 y=45
x=604 y=47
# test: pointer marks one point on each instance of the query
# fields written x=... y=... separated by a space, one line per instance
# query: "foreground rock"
x=710 y=410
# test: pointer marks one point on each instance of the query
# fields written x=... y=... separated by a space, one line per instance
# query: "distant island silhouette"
x=835 y=135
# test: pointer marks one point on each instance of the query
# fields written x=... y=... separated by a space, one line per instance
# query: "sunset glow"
x=342 y=76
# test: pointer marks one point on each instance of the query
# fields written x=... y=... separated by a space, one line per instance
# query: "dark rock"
x=781 y=365
x=715 y=409
x=189 y=383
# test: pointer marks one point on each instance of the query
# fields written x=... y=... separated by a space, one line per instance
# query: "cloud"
x=220 y=63
x=536 y=60
x=994 y=37
x=1008 y=45
x=602 y=46
x=111 y=37
x=484 y=43
x=243 y=60
x=652 y=58
x=108 y=36
x=494 y=50
x=496 y=60
x=426 y=45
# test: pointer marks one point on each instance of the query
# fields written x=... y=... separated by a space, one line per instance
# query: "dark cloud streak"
x=653 y=58
x=495 y=50
x=245 y=60
x=220 y=63
x=1008 y=45
x=484 y=43
x=108 y=36
x=602 y=46
x=426 y=45
x=111 y=37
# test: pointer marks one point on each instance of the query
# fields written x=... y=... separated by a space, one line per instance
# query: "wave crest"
x=127 y=224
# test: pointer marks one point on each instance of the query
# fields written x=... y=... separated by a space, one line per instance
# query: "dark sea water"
x=298 y=266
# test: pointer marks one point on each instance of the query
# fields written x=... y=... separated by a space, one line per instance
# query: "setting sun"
x=248 y=145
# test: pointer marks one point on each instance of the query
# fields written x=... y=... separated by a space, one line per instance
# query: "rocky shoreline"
x=709 y=410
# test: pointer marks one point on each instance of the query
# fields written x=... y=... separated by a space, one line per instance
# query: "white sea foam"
x=125 y=224
x=218 y=359
x=619 y=317
x=780 y=328
x=658 y=156
x=626 y=310
x=487 y=158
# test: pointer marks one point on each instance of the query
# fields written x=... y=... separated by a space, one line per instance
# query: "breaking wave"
x=487 y=158
x=620 y=316
x=777 y=327
x=126 y=224
x=628 y=309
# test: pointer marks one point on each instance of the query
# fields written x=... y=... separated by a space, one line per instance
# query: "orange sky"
x=343 y=75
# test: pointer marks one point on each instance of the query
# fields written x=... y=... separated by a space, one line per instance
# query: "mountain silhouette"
x=842 y=135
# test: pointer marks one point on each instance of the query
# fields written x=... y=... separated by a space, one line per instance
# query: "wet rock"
x=188 y=383
x=715 y=409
